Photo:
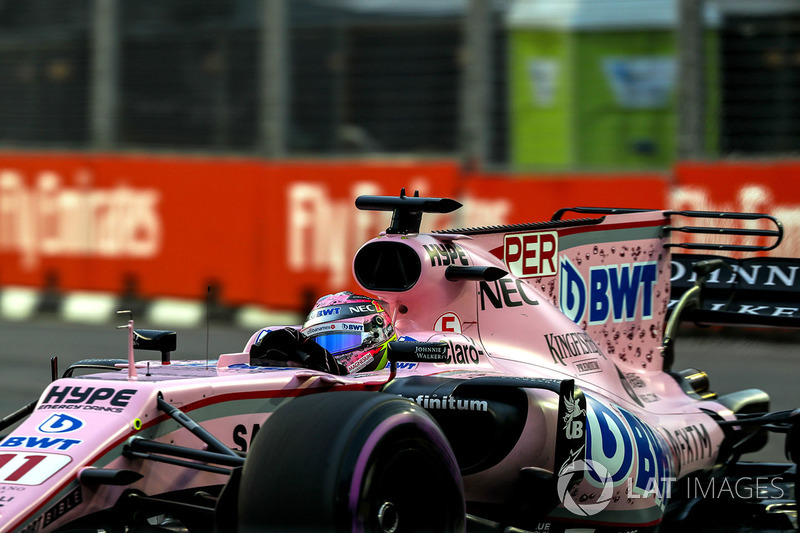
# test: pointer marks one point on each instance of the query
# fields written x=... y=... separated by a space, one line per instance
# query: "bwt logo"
x=629 y=449
x=327 y=311
x=60 y=423
x=613 y=291
x=530 y=255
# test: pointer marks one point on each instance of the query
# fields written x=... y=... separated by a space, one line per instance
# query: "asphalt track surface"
x=734 y=360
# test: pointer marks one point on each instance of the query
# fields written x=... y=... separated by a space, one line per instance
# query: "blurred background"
x=504 y=84
x=210 y=148
x=198 y=159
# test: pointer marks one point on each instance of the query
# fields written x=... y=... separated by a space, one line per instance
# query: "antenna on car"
x=208 y=322
x=131 y=360
x=406 y=210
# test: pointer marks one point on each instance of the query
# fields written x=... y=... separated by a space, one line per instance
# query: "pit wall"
x=278 y=234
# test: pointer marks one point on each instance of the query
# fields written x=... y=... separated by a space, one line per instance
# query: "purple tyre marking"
x=413 y=417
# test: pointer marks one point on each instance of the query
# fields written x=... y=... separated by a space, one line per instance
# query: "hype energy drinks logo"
x=617 y=292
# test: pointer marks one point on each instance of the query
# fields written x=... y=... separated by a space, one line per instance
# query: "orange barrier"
x=306 y=245
x=535 y=197
x=95 y=222
x=280 y=233
x=261 y=232
x=771 y=187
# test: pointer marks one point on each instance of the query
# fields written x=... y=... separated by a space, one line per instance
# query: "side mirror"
x=704 y=268
x=156 y=340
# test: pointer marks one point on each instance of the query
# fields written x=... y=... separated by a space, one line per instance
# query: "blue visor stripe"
x=339 y=342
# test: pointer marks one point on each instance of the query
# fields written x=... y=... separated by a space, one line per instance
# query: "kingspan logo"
x=448 y=403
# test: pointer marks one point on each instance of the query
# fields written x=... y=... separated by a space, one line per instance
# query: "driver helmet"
x=355 y=330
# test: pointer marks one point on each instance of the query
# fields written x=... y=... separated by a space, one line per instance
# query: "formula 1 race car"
x=530 y=388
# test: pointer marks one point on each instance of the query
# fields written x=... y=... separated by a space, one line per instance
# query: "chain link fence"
x=517 y=84
x=760 y=79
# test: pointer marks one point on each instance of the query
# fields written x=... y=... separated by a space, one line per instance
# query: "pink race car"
x=526 y=386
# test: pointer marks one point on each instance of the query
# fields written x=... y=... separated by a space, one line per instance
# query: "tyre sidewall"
x=317 y=460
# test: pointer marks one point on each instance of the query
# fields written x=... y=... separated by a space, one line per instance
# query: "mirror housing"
x=156 y=340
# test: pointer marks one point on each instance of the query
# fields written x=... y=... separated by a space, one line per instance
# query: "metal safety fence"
x=517 y=84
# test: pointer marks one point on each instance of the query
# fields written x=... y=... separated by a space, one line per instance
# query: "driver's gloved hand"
x=289 y=345
x=277 y=345
x=319 y=358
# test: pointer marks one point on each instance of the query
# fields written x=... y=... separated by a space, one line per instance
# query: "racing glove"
x=288 y=345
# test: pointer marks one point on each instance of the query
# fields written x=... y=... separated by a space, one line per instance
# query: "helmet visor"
x=339 y=342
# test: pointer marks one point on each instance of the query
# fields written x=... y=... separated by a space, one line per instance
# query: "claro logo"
x=47 y=218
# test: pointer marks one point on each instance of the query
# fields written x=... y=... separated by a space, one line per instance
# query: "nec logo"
x=613 y=291
x=530 y=255
x=366 y=308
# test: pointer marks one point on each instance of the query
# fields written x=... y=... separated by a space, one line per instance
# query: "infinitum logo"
x=449 y=403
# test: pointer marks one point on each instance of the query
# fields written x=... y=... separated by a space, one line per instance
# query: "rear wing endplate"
x=726 y=229
x=776 y=234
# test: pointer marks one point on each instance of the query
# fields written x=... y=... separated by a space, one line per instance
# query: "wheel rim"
x=388 y=518
x=408 y=490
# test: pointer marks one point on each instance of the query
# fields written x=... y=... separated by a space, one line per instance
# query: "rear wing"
x=739 y=233
x=723 y=235
x=759 y=291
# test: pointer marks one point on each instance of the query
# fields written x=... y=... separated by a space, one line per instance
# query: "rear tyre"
x=351 y=461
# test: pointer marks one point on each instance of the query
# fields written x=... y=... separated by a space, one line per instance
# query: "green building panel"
x=540 y=103
x=599 y=99
x=624 y=106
